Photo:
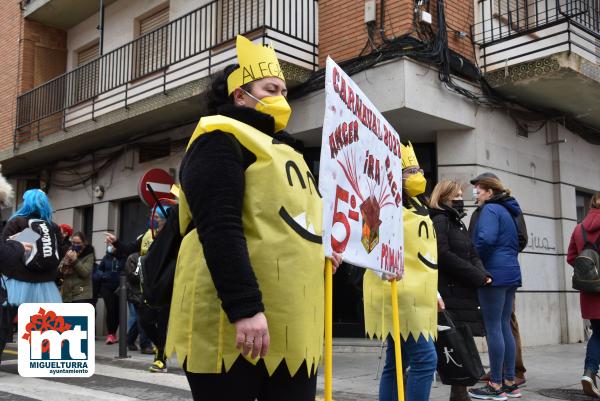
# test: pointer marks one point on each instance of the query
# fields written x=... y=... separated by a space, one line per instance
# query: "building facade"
x=87 y=111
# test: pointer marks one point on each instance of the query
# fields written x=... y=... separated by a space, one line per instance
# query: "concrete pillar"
x=105 y=220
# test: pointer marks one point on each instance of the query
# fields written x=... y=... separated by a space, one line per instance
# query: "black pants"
x=154 y=322
x=7 y=314
x=111 y=301
x=246 y=382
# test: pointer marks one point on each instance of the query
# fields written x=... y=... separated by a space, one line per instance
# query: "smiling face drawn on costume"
x=427 y=260
x=299 y=223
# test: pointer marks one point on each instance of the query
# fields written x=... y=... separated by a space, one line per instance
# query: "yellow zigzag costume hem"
x=272 y=362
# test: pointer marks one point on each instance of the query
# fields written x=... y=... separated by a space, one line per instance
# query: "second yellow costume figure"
x=417 y=294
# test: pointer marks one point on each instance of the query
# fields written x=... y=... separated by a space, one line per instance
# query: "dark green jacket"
x=77 y=284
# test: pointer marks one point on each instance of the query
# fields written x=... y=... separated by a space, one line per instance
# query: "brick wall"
x=459 y=18
x=44 y=54
x=343 y=33
x=10 y=20
x=30 y=54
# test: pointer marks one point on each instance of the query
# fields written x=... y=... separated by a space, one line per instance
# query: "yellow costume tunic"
x=285 y=252
x=146 y=242
x=417 y=291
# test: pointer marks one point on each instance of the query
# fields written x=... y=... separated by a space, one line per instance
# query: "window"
x=154 y=150
x=133 y=220
x=151 y=50
x=427 y=157
x=22 y=186
x=87 y=222
x=85 y=77
x=582 y=202
x=239 y=17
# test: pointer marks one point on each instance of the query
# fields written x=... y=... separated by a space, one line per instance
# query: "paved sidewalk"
x=356 y=365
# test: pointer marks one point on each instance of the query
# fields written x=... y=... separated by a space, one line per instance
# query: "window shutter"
x=154 y=21
x=87 y=55
x=239 y=17
x=86 y=82
x=151 y=51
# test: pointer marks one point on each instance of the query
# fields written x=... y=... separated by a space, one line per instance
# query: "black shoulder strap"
x=584 y=234
x=514 y=219
x=595 y=245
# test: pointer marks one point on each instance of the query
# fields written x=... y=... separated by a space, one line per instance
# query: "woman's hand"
x=441 y=305
x=391 y=276
x=488 y=281
x=71 y=256
x=28 y=247
x=336 y=261
x=252 y=335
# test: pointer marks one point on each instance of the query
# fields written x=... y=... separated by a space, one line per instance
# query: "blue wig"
x=35 y=205
x=160 y=214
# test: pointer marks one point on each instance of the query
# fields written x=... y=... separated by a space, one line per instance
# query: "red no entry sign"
x=160 y=181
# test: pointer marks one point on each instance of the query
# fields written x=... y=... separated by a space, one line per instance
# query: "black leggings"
x=246 y=382
x=154 y=322
x=111 y=301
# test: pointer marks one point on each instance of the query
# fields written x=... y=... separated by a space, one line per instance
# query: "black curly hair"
x=218 y=94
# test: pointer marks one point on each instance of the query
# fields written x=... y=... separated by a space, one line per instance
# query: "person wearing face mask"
x=76 y=270
x=520 y=369
x=246 y=318
x=459 y=267
x=495 y=234
x=417 y=294
x=109 y=270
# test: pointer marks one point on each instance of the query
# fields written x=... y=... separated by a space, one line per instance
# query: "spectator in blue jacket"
x=496 y=238
x=108 y=272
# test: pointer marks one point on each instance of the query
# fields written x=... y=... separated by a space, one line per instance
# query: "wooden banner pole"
x=328 y=330
x=397 y=349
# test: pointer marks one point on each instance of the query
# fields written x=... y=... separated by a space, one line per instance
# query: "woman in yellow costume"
x=246 y=317
x=417 y=295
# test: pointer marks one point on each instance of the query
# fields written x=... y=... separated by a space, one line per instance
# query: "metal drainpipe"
x=101 y=29
x=563 y=303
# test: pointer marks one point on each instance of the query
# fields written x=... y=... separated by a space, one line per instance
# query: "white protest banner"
x=360 y=178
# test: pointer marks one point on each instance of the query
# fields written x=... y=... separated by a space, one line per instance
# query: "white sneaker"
x=588 y=382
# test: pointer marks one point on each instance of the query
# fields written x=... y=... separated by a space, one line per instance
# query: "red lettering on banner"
x=340 y=217
x=396 y=193
x=344 y=135
x=365 y=115
x=336 y=78
x=391 y=259
x=371 y=167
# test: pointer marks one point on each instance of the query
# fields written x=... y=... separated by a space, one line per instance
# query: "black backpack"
x=157 y=267
x=586 y=266
x=44 y=255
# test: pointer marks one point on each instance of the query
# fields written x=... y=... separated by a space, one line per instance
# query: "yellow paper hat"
x=256 y=62
x=175 y=190
x=409 y=158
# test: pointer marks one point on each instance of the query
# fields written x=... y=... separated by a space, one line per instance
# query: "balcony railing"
x=513 y=31
x=188 y=48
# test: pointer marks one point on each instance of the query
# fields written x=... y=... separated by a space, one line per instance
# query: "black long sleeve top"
x=212 y=178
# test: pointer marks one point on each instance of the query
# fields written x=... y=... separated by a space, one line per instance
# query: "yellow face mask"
x=415 y=184
x=275 y=106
